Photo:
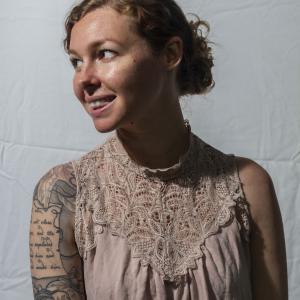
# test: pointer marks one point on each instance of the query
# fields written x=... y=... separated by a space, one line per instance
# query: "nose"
x=89 y=80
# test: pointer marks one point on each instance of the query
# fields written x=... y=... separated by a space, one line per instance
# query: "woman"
x=154 y=212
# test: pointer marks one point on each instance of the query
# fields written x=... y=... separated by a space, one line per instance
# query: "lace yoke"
x=165 y=215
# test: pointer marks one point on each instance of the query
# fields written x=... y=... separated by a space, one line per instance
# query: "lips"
x=101 y=102
x=97 y=105
x=107 y=98
x=101 y=98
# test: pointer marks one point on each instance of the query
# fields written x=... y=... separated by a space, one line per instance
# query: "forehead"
x=103 y=24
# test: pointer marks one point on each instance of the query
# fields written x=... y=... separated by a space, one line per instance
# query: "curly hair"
x=157 y=21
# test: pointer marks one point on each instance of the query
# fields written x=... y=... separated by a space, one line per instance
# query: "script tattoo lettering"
x=55 y=262
x=42 y=241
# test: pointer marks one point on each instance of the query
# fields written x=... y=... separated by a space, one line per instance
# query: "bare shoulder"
x=54 y=198
x=251 y=173
x=56 y=186
x=258 y=188
x=59 y=172
x=56 y=265
x=267 y=243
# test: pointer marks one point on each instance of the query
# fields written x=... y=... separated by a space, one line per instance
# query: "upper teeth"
x=98 y=103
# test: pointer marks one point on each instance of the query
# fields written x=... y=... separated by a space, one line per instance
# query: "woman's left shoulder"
x=251 y=173
x=269 y=270
x=258 y=188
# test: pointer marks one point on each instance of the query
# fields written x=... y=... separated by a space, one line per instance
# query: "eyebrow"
x=94 y=45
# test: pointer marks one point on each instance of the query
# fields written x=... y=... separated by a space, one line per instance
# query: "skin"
x=146 y=112
x=56 y=266
x=269 y=269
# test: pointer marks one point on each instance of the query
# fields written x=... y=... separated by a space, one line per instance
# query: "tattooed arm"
x=56 y=266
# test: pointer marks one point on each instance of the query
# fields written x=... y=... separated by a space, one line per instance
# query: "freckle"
x=132 y=123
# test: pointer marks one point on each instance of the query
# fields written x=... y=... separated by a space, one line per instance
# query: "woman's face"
x=117 y=78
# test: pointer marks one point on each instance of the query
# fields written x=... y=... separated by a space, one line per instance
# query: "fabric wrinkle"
x=176 y=233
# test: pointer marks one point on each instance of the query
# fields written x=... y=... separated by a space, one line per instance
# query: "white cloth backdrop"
x=254 y=110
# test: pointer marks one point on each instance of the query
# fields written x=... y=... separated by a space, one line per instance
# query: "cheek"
x=138 y=77
x=76 y=88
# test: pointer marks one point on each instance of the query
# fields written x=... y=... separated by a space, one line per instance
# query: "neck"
x=156 y=143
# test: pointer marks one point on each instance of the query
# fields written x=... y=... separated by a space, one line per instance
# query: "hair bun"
x=197 y=69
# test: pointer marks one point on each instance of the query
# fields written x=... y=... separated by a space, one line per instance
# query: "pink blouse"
x=175 y=233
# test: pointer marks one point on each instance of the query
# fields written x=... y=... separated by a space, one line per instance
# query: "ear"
x=172 y=53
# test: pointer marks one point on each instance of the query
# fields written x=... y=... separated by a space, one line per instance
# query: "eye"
x=76 y=63
x=106 y=54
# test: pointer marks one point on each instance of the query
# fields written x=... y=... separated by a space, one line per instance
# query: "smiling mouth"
x=100 y=103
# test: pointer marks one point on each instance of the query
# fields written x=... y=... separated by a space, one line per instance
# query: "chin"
x=103 y=129
x=104 y=126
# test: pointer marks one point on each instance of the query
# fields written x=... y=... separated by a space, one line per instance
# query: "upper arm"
x=267 y=244
x=56 y=266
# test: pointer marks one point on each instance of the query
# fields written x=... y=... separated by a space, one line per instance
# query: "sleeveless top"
x=175 y=233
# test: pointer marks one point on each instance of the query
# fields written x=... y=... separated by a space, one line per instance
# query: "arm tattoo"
x=55 y=262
